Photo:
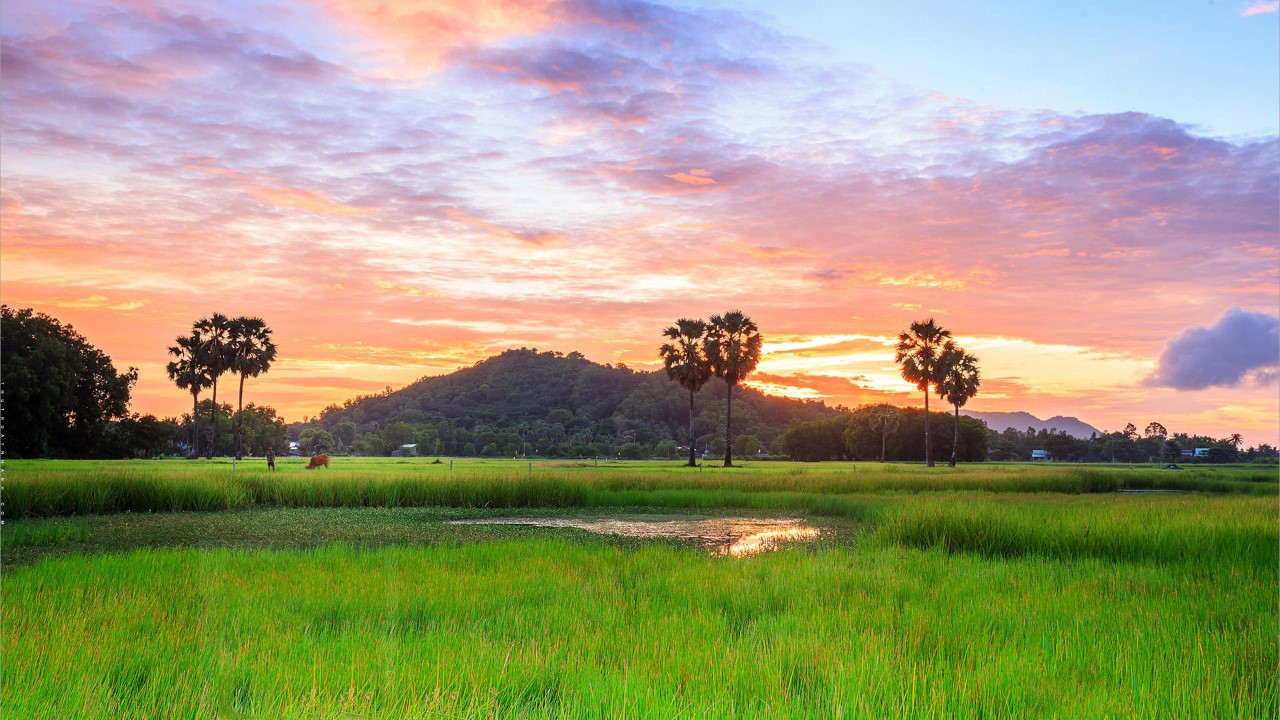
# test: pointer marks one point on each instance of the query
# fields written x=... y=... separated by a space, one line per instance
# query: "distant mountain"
x=561 y=404
x=1000 y=421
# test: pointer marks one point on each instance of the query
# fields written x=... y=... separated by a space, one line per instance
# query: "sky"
x=1085 y=194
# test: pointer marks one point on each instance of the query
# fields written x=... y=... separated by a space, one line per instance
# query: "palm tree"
x=732 y=346
x=187 y=372
x=216 y=332
x=686 y=363
x=1235 y=440
x=885 y=421
x=959 y=381
x=251 y=352
x=918 y=350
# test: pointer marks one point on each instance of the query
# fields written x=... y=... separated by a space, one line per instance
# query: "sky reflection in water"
x=722 y=536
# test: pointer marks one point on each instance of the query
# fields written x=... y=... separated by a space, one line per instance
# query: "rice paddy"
x=984 y=591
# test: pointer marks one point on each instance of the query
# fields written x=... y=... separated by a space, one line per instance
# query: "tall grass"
x=1205 y=532
x=550 y=628
x=44 y=489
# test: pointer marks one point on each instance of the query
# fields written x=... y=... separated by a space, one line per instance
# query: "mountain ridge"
x=1021 y=420
x=562 y=403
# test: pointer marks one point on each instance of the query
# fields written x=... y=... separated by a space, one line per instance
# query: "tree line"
x=885 y=433
x=1154 y=444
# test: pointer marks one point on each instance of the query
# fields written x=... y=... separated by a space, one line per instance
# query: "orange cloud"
x=1044 y=252
x=693 y=177
x=422 y=32
x=278 y=194
x=531 y=237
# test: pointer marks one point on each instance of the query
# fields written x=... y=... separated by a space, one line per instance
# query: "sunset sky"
x=1086 y=194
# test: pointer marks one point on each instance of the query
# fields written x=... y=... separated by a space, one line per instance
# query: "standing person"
x=271 y=458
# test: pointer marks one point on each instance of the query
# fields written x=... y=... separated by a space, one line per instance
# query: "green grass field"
x=180 y=589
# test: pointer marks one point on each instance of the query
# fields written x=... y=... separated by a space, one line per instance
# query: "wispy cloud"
x=1261 y=7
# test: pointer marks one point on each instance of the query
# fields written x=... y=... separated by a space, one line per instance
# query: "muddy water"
x=722 y=536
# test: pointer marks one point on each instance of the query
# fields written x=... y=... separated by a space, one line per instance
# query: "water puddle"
x=722 y=536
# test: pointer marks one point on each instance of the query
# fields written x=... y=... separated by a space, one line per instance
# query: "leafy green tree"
x=142 y=436
x=732 y=347
x=817 y=440
x=958 y=381
x=59 y=392
x=251 y=353
x=919 y=350
x=685 y=361
x=215 y=334
x=396 y=434
x=314 y=441
x=343 y=434
x=368 y=444
x=631 y=451
x=188 y=373
x=262 y=428
x=746 y=445
x=665 y=448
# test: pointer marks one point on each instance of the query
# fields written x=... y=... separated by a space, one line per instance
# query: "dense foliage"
x=858 y=435
x=556 y=405
x=60 y=392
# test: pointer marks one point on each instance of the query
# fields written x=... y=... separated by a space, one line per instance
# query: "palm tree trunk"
x=195 y=424
x=928 y=445
x=240 y=417
x=728 y=427
x=884 y=438
x=693 y=458
x=955 y=442
x=213 y=424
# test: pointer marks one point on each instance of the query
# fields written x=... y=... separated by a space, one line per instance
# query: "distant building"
x=406 y=450
x=1040 y=455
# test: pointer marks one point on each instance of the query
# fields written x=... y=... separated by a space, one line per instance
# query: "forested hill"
x=553 y=404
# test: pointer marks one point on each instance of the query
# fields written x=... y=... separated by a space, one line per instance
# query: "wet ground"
x=736 y=536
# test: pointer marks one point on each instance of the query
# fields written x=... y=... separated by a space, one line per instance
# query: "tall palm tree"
x=918 y=351
x=959 y=381
x=215 y=330
x=251 y=352
x=732 y=347
x=187 y=372
x=885 y=421
x=686 y=363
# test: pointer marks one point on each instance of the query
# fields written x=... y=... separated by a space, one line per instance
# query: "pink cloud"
x=425 y=32
x=1261 y=7
x=693 y=177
